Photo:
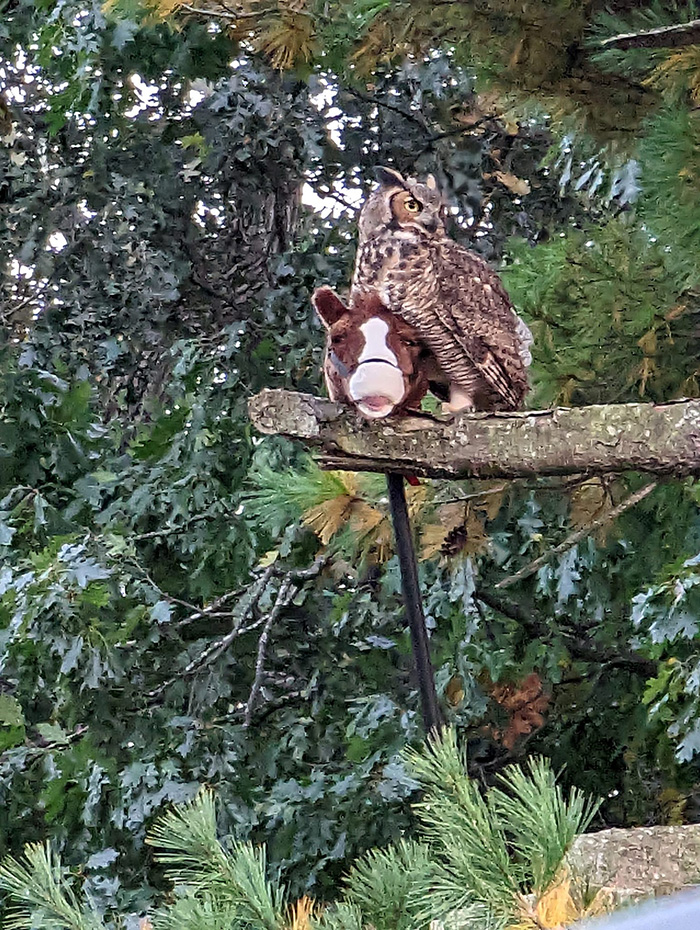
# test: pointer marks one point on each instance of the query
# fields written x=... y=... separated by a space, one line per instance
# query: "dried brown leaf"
x=454 y=692
x=524 y=704
x=588 y=502
x=518 y=186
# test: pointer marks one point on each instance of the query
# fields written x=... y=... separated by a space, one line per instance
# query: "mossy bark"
x=663 y=440
x=639 y=862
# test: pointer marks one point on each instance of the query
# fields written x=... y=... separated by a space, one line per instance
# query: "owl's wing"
x=471 y=315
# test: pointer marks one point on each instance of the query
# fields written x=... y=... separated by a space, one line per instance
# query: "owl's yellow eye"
x=412 y=205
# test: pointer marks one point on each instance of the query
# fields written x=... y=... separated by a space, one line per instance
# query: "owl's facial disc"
x=411 y=211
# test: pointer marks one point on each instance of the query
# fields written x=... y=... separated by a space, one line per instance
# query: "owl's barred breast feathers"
x=450 y=295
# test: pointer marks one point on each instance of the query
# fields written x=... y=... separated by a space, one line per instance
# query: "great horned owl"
x=453 y=299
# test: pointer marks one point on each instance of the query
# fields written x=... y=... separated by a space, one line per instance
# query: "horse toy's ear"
x=328 y=305
x=389 y=177
x=367 y=301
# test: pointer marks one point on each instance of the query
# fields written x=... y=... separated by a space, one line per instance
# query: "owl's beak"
x=430 y=221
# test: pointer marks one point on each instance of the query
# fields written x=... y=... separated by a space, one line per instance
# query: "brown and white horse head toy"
x=373 y=358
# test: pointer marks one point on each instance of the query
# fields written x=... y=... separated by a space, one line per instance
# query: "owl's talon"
x=459 y=402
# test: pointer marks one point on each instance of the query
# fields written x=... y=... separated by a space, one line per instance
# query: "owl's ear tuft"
x=328 y=306
x=431 y=183
x=388 y=177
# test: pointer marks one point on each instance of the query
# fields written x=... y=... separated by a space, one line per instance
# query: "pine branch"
x=339 y=916
x=474 y=867
x=490 y=853
x=541 y=823
x=379 y=884
x=36 y=883
x=235 y=881
x=662 y=37
x=191 y=912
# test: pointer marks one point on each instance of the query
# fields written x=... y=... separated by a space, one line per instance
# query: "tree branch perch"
x=675 y=36
x=661 y=440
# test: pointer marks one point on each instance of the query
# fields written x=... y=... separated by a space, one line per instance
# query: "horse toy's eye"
x=412 y=205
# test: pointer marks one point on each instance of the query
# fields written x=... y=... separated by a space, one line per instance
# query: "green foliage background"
x=495 y=859
x=157 y=258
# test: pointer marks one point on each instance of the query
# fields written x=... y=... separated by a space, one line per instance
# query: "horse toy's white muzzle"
x=376 y=387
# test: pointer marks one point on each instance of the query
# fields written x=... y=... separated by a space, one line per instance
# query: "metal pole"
x=432 y=717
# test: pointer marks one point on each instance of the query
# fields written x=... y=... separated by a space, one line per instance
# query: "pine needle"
x=678 y=74
x=474 y=868
x=540 y=822
x=301 y=914
x=379 y=884
x=340 y=916
x=43 y=899
x=282 y=496
x=669 y=154
x=288 y=41
x=191 y=912
x=186 y=838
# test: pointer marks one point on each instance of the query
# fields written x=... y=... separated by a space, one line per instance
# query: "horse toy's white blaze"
x=375 y=331
x=374 y=360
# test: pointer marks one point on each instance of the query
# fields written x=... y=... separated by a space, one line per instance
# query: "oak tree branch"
x=580 y=647
x=608 y=517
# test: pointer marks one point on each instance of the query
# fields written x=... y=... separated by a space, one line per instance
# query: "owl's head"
x=402 y=203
